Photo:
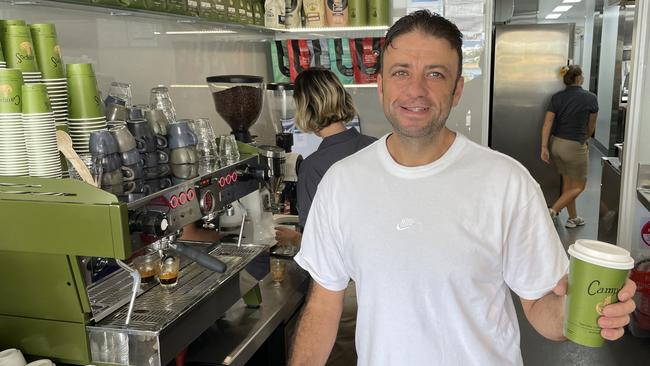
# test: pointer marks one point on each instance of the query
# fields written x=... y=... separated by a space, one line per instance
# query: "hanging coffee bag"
x=365 y=59
x=340 y=59
x=300 y=56
x=320 y=56
x=280 y=61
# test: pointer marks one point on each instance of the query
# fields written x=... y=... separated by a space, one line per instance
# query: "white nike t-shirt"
x=433 y=250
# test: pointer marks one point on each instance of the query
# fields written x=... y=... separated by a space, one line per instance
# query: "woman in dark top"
x=570 y=121
x=323 y=107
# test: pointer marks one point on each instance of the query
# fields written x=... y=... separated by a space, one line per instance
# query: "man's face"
x=418 y=84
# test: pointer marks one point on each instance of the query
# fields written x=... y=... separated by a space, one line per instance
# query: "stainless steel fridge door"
x=527 y=62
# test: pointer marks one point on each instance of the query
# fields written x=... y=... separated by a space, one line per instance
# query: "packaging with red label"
x=306 y=53
x=365 y=59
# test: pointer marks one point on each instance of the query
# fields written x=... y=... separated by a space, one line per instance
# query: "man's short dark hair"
x=428 y=23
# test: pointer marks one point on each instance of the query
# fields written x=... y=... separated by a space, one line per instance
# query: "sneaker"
x=552 y=213
x=577 y=221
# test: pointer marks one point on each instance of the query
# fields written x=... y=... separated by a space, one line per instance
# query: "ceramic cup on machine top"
x=144 y=136
x=180 y=135
x=597 y=271
x=133 y=196
x=137 y=169
x=157 y=119
x=165 y=182
x=103 y=143
x=131 y=157
x=11 y=91
x=184 y=155
x=112 y=178
x=135 y=113
x=124 y=138
x=155 y=158
x=185 y=171
x=35 y=99
x=110 y=162
x=116 y=112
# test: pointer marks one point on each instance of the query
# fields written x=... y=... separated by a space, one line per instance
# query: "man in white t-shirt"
x=434 y=229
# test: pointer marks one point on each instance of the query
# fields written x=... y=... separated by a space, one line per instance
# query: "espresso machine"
x=50 y=309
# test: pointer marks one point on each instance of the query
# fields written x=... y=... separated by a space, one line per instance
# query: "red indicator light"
x=173 y=202
x=190 y=194
x=222 y=182
x=228 y=179
x=234 y=176
x=182 y=198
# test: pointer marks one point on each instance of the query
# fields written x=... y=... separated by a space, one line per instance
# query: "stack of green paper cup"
x=48 y=57
x=48 y=51
x=596 y=273
x=13 y=153
x=19 y=50
x=85 y=107
x=40 y=134
x=3 y=24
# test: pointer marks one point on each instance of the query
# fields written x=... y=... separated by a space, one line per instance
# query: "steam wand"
x=136 y=285
x=243 y=220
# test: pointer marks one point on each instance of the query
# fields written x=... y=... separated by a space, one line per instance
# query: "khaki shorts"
x=571 y=158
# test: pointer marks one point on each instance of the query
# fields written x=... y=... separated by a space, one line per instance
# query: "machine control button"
x=164 y=224
x=173 y=202
x=234 y=176
x=182 y=198
x=228 y=179
x=190 y=194
x=222 y=182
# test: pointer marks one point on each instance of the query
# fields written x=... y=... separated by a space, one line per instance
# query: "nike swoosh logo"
x=399 y=227
x=404 y=224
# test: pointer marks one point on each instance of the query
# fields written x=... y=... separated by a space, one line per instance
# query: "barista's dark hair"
x=430 y=24
x=571 y=75
x=321 y=100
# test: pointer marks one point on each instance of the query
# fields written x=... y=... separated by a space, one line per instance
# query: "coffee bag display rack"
x=50 y=308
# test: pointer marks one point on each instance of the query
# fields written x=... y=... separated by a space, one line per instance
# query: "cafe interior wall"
x=140 y=49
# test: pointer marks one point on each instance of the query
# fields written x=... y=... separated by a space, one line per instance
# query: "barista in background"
x=323 y=107
x=570 y=121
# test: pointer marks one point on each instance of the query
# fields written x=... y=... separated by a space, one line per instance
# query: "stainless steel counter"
x=644 y=197
x=235 y=338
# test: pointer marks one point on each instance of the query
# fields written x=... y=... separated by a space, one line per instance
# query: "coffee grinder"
x=238 y=100
x=282 y=110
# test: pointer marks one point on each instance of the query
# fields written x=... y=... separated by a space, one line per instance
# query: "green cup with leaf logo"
x=19 y=48
x=597 y=272
x=11 y=82
x=48 y=51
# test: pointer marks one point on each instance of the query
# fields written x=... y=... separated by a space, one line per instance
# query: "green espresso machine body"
x=50 y=228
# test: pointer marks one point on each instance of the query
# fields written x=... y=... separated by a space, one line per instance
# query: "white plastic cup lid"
x=601 y=254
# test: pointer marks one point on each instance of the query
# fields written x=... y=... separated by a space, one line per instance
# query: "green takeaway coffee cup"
x=79 y=69
x=597 y=272
x=19 y=48
x=4 y=23
x=83 y=97
x=11 y=82
x=48 y=51
x=35 y=99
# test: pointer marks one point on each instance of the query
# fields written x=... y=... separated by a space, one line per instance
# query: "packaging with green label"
x=250 y=18
x=232 y=7
x=177 y=6
x=280 y=61
x=220 y=9
x=357 y=13
x=156 y=5
x=134 y=4
x=193 y=7
x=378 y=12
x=341 y=59
x=258 y=12
x=206 y=10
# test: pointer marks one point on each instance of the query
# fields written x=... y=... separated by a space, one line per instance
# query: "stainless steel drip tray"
x=166 y=319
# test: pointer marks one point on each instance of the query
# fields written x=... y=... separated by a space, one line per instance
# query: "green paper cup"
x=596 y=273
x=4 y=23
x=83 y=98
x=19 y=48
x=79 y=69
x=35 y=99
x=48 y=51
x=2 y=54
x=11 y=82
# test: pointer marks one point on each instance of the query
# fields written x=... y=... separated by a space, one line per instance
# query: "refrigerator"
x=527 y=61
